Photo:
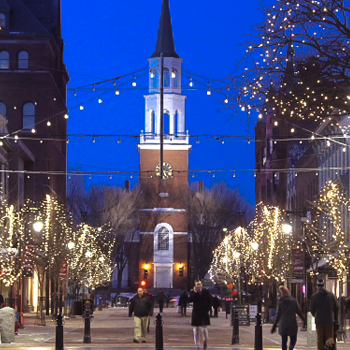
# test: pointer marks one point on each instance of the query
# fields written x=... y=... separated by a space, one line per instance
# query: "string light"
x=191 y=82
x=134 y=81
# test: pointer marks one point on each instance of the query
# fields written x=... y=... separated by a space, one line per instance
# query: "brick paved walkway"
x=112 y=328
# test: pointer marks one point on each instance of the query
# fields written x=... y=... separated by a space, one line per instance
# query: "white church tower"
x=163 y=254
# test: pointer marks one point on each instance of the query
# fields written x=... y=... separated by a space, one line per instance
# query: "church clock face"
x=167 y=170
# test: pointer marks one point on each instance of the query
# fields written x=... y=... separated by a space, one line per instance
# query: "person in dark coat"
x=150 y=296
x=287 y=308
x=141 y=306
x=1 y=301
x=160 y=299
x=216 y=305
x=200 y=313
x=183 y=301
x=324 y=307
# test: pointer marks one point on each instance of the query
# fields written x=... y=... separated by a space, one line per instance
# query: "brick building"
x=33 y=80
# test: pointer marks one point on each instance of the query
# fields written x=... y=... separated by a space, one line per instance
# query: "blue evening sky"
x=111 y=38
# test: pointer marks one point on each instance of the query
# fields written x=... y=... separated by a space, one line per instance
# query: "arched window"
x=163 y=238
x=3 y=109
x=154 y=79
x=23 y=60
x=2 y=20
x=174 y=76
x=4 y=60
x=153 y=123
x=28 y=115
x=166 y=124
x=166 y=77
x=176 y=121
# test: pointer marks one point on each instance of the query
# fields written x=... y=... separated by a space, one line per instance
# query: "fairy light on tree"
x=326 y=236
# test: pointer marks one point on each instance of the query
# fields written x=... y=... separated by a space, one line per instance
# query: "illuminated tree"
x=274 y=252
x=327 y=236
x=90 y=258
x=301 y=61
x=237 y=251
x=9 y=270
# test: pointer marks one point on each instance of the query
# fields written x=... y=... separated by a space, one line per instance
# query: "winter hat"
x=320 y=283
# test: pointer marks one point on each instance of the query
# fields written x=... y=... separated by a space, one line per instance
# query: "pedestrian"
x=160 y=299
x=200 y=313
x=324 y=307
x=141 y=306
x=183 y=301
x=216 y=305
x=2 y=304
x=150 y=296
x=287 y=309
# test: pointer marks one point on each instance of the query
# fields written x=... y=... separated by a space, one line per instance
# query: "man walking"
x=183 y=300
x=200 y=314
x=141 y=307
x=324 y=307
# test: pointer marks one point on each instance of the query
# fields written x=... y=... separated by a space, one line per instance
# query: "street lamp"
x=38 y=226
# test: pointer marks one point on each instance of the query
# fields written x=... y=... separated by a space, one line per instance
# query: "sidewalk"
x=113 y=329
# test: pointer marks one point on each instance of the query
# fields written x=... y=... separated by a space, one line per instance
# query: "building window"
x=3 y=109
x=2 y=20
x=174 y=76
x=163 y=239
x=4 y=60
x=28 y=115
x=153 y=123
x=166 y=77
x=23 y=60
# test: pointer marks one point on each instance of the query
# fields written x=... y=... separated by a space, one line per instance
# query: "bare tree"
x=111 y=205
x=301 y=61
x=208 y=213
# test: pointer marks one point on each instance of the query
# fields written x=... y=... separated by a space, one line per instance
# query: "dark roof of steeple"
x=165 y=40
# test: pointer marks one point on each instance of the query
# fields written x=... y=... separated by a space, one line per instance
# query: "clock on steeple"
x=163 y=232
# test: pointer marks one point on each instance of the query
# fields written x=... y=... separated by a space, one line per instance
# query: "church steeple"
x=165 y=40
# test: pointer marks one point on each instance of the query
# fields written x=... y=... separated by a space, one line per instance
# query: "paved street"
x=112 y=328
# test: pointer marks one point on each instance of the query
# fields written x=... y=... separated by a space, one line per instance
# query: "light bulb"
x=226 y=100
x=81 y=107
x=117 y=92
x=33 y=131
x=48 y=123
x=100 y=100
x=173 y=74
x=66 y=116
x=209 y=92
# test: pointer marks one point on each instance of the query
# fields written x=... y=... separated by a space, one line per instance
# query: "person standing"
x=160 y=299
x=183 y=301
x=1 y=301
x=141 y=307
x=216 y=305
x=324 y=307
x=150 y=296
x=200 y=313
x=287 y=308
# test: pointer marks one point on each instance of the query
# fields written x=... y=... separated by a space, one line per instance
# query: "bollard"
x=100 y=304
x=159 y=332
x=59 y=332
x=87 y=321
x=258 y=343
x=235 y=330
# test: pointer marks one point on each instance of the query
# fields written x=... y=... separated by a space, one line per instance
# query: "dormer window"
x=4 y=60
x=23 y=60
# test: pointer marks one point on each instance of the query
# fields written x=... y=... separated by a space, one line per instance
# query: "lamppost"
x=287 y=229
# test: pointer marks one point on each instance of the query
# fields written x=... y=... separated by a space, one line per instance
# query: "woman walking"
x=287 y=308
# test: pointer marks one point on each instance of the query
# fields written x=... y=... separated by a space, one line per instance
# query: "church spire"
x=165 y=40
